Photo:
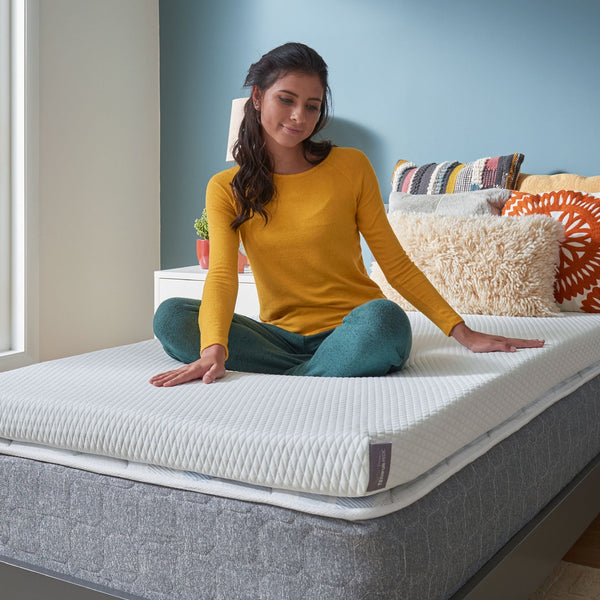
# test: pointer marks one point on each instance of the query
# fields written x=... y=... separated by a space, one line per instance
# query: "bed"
x=462 y=477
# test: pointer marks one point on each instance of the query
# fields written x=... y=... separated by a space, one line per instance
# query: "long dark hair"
x=252 y=185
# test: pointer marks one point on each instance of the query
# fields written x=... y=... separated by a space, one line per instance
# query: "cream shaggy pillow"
x=482 y=264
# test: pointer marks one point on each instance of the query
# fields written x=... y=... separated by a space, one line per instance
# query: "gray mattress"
x=167 y=544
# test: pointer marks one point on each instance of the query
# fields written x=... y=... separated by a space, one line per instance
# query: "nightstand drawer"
x=182 y=288
x=188 y=282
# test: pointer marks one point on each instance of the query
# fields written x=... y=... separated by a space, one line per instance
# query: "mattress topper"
x=335 y=436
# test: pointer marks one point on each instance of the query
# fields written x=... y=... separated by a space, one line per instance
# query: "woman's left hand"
x=484 y=342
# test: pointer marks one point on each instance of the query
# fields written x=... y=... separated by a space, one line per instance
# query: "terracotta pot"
x=202 y=251
x=242 y=262
x=202 y=248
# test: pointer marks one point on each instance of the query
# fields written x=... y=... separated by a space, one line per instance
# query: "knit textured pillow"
x=482 y=265
x=577 y=286
x=452 y=176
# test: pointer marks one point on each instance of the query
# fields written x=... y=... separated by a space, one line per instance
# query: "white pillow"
x=462 y=204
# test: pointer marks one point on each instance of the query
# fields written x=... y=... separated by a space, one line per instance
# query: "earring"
x=256 y=105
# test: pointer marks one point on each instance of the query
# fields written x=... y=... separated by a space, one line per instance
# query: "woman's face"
x=289 y=109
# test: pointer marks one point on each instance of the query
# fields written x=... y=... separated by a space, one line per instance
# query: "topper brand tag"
x=380 y=457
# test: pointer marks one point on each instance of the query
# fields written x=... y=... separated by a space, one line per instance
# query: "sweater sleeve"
x=221 y=287
x=397 y=267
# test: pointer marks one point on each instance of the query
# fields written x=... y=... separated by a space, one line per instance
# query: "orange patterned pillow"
x=577 y=286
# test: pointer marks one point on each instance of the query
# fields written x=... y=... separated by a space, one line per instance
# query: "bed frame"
x=521 y=566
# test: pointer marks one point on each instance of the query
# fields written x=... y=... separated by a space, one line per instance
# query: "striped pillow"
x=450 y=177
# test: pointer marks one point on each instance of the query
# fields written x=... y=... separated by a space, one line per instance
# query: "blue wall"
x=427 y=81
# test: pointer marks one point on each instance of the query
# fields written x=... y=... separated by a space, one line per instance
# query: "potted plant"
x=202 y=244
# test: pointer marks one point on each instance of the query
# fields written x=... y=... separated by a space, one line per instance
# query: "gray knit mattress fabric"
x=167 y=544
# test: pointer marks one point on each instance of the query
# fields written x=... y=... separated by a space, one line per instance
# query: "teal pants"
x=374 y=339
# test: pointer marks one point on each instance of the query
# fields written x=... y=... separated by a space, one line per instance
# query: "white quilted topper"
x=335 y=436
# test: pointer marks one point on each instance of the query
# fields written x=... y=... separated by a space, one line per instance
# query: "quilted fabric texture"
x=453 y=176
x=482 y=265
x=577 y=285
x=297 y=433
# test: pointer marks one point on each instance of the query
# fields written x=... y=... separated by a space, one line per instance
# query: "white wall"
x=99 y=169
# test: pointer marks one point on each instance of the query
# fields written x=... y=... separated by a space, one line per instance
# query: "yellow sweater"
x=307 y=260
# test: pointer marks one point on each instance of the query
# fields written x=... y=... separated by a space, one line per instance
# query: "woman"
x=298 y=206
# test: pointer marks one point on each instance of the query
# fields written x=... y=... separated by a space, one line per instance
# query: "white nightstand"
x=188 y=282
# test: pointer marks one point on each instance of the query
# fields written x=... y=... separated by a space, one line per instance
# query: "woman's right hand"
x=209 y=367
